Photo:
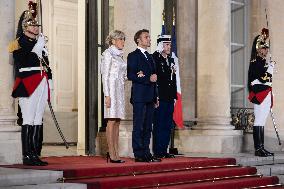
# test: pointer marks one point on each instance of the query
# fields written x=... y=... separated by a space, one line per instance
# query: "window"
x=239 y=53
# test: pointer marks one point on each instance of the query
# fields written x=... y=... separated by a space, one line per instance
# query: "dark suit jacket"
x=142 y=90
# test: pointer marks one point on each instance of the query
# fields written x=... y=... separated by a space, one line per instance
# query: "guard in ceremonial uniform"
x=260 y=89
x=32 y=83
x=167 y=94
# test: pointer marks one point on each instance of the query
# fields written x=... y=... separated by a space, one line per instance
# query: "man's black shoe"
x=153 y=158
x=167 y=155
x=140 y=159
x=158 y=156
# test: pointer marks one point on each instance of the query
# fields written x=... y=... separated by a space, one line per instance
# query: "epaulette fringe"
x=13 y=45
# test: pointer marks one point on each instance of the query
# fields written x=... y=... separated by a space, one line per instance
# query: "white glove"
x=38 y=48
x=50 y=84
x=174 y=67
x=270 y=68
x=160 y=47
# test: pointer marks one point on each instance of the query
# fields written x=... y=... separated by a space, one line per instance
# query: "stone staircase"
x=41 y=179
x=268 y=166
x=11 y=178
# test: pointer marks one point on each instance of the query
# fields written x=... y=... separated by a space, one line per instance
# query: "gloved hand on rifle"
x=39 y=46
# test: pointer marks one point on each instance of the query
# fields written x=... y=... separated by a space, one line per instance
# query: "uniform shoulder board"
x=13 y=45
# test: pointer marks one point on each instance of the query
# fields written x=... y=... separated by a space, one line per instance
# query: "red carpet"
x=180 y=172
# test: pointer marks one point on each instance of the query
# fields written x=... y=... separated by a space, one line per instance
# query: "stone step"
x=268 y=170
x=265 y=165
x=268 y=166
x=49 y=186
x=251 y=160
x=17 y=177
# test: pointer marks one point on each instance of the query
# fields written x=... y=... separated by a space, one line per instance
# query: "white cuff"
x=254 y=82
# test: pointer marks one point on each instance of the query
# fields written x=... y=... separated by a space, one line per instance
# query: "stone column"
x=213 y=134
x=10 y=136
x=187 y=50
x=186 y=46
x=81 y=76
x=140 y=14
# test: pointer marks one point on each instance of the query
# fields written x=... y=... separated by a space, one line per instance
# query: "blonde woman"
x=113 y=70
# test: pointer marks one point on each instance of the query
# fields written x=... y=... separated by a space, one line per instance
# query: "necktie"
x=147 y=55
x=149 y=61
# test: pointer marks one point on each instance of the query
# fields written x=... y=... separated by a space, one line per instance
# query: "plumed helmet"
x=261 y=40
x=29 y=17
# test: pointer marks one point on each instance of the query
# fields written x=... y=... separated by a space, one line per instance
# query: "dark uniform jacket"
x=258 y=70
x=142 y=90
x=166 y=82
x=28 y=69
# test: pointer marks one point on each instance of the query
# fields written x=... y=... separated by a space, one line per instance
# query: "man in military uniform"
x=167 y=94
x=260 y=89
x=32 y=83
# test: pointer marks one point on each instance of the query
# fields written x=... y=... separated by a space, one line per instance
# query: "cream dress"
x=113 y=70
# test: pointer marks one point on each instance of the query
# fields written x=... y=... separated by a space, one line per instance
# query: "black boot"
x=38 y=138
x=20 y=116
x=262 y=142
x=36 y=143
x=257 y=142
x=26 y=147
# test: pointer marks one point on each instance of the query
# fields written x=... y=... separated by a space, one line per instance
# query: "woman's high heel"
x=117 y=161
x=107 y=156
x=113 y=161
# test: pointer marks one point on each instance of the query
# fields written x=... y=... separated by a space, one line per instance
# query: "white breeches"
x=261 y=111
x=32 y=107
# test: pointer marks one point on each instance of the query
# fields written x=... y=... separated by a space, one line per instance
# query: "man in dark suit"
x=141 y=71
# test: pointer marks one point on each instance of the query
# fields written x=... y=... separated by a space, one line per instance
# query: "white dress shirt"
x=143 y=51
